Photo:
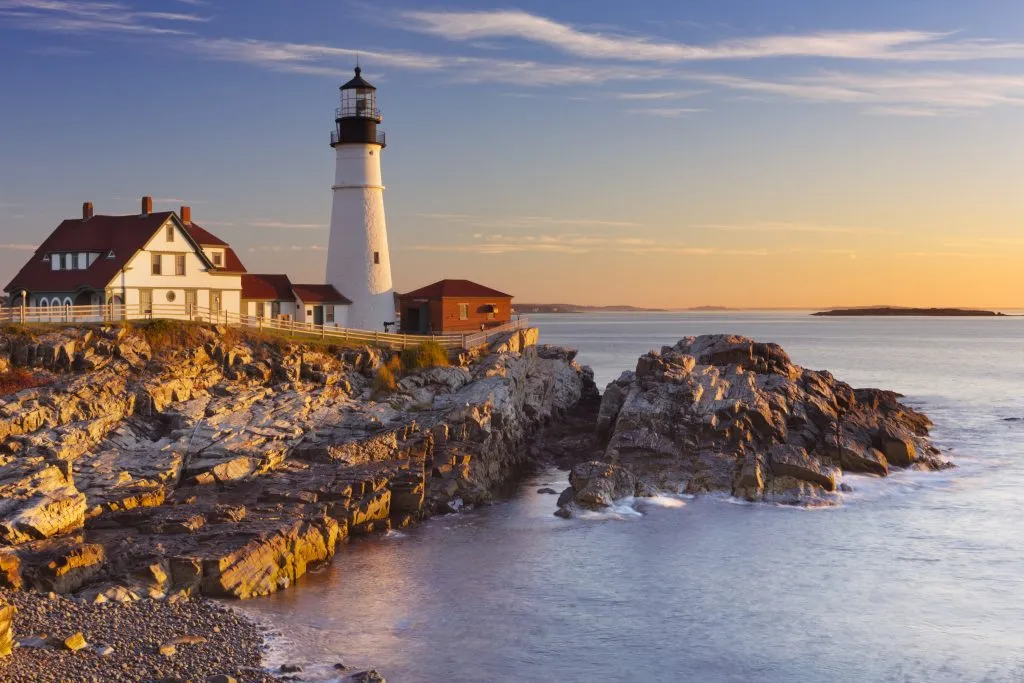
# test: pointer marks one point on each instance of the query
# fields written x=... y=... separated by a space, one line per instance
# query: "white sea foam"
x=661 y=501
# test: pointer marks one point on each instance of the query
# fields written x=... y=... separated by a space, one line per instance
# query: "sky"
x=744 y=153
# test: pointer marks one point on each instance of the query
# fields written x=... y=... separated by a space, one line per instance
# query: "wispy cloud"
x=334 y=61
x=899 y=94
x=287 y=226
x=949 y=254
x=91 y=16
x=783 y=227
x=576 y=243
x=658 y=95
x=512 y=222
x=872 y=45
x=665 y=112
x=287 y=247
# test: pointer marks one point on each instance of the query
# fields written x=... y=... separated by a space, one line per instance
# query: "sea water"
x=916 y=577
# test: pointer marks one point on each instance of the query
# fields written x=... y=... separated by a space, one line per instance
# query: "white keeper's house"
x=162 y=262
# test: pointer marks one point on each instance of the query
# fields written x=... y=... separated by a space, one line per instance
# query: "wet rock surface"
x=729 y=414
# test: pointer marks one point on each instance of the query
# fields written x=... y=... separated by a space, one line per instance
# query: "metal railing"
x=104 y=313
x=380 y=137
x=352 y=110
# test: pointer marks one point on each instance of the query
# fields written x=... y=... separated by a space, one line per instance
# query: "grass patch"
x=162 y=335
x=387 y=375
x=18 y=379
x=428 y=354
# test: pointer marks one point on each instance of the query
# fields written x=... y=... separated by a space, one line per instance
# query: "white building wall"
x=138 y=275
x=358 y=231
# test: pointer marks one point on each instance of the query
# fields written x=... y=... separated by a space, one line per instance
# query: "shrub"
x=429 y=354
x=387 y=375
x=17 y=379
x=180 y=335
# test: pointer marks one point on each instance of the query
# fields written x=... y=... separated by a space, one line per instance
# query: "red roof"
x=204 y=238
x=232 y=264
x=121 y=235
x=267 y=287
x=455 y=288
x=319 y=294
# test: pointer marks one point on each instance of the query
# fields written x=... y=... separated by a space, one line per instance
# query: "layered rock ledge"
x=170 y=460
x=729 y=414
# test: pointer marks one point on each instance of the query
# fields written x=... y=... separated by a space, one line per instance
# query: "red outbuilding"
x=453 y=306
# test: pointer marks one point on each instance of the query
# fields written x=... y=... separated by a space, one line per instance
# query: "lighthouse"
x=358 y=264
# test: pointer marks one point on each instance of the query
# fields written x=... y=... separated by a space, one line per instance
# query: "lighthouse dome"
x=358 y=82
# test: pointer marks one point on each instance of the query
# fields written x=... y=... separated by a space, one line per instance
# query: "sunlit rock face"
x=729 y=414
x=200 y=461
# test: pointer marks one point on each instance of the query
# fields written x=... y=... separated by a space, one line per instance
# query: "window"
x=55 y=262
x=329 y=314
x=146 y=300
x=275 y=309
x=156 y=264
x=83 y=261
x=376 y=257
x=463 y=311
x=179 y=264
x=69 y=261
x=261 y=309
x=491 y=310
x=171 y=296
x=218 y=258
x=169 y=230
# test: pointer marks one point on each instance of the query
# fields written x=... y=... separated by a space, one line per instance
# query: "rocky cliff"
x=167 y=460
x=729 y=414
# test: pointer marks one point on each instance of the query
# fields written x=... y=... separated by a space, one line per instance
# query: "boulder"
x=599 y=484
x=793 y=461
x=6 y=629
x=38 y=501
x=898 y=447
x=732 y=414
x=75 y=642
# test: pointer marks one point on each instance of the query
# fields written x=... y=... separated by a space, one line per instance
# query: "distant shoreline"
x=896 y=311
x=854 y=311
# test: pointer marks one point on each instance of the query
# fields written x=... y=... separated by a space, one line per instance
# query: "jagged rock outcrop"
x=167 y=460
x=730 y=414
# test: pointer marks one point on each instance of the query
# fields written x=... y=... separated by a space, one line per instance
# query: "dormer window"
x=69 y=261
x=217 y=258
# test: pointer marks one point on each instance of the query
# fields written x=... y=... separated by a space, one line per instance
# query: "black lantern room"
x=357 y=118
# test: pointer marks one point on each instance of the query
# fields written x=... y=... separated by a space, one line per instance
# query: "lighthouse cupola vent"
x=357 y=118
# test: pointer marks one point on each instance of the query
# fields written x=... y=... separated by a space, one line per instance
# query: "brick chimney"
x=186 y=215
x=86 y=210
x=147 y=206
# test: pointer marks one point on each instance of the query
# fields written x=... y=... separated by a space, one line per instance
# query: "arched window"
x=68 y=301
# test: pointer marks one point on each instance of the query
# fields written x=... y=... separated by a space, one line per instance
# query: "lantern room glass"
x=359 y=103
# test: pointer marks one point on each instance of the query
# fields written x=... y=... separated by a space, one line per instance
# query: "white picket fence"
x=115 y=312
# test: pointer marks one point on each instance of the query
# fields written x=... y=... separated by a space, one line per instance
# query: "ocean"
x=918 y=577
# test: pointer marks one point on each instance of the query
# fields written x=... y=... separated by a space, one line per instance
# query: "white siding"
x=138 y=275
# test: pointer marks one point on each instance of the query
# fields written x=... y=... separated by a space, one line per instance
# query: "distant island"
x=899 y=311
x=576 y=308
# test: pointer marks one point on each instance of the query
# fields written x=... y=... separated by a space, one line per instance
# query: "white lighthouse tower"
x=358 y=264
